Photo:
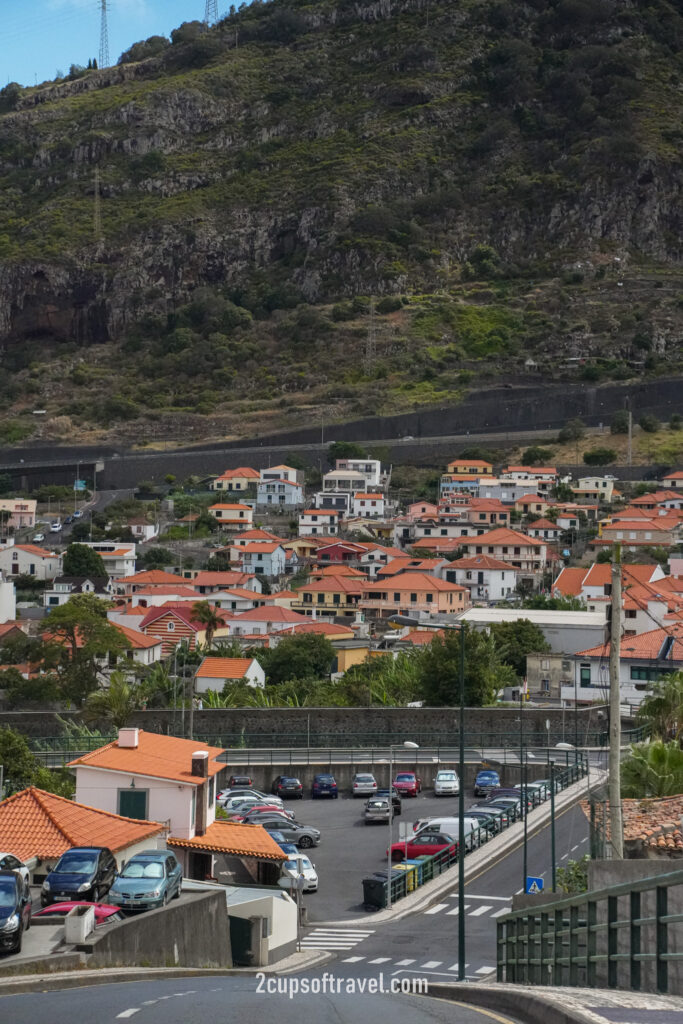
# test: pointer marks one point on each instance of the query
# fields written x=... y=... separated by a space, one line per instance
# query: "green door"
x=133 y=803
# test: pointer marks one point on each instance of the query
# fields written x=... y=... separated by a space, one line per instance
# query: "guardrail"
x=375 y=887
x=621 y=937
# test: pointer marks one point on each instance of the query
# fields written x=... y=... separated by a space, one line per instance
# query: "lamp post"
x=461 y=814
x=407 y=745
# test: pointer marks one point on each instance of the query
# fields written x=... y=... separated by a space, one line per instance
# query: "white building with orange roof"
x=263 y=558
x=413 y=592
x=644 y=658
x=214 y=673
x=143 y=649
x=368 y=505
x=232 y=516
x=673 y=481
x=486 y=578
x=260 y=621
x=235 y=481
x=152 y=597
x=30 y=560
x=331 y=596
x=319 y=522
x=118 y=556
x=148 y=579
x=522 y=552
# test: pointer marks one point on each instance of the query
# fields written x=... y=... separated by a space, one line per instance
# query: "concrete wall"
x=280 y=911
x=191 y=933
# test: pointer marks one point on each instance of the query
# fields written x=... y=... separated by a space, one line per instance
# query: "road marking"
x=429 y=964
x=564 y=856
x=498 y=913
x=436 y=909
x=484 y=970
x=351 y=932
x=456 y=910
x=128 y=1013
x=575 y=847
x=353 y=959
x=151 y=1002
x=480 y=910
x=456 y=967
x=404 y=963
x=506 y=899
x=518 y=892
x=380 y=960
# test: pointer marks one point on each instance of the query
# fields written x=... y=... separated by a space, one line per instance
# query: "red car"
x=260 y=807
x=407 y=784
x=425 y=843
x=104 y=912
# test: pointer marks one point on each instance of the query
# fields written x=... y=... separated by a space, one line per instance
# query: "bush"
x=187 y=32
x=389 y=304
x=675 y=423
x=619 y=424
x=536 y=456
x=599 y=456
x=649 y=423
x=145 y=48
x=9 y=96
x=573 y=430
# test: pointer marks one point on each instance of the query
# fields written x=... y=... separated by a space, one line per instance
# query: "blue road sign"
x=533 y=885
x=79 y=485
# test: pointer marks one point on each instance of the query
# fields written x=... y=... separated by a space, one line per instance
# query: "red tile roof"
x=232 y=507
x=413 y=581
x=264 y=547
x=272 y=613
x=155 y=577
x=330 y=629
x=543 y=524
x=245 y=472
x=160 y=757
x=534 y=470
x=34 y=823
x=501 y=535
x=422 y=637
x=238 y=839
x=644 y=645
x=481 y=562
x=32 y=549
x=221 y=579
x=136 y=639
x=340 y=584
x=223 y=668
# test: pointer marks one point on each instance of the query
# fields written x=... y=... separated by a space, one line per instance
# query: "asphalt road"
x=199 y=1000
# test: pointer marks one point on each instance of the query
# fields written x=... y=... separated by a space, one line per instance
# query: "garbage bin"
x=375 y=891
x=410 y=872
x=427 y=867
x=418 y=865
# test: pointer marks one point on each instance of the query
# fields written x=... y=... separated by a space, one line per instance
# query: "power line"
x=104 y=36
x=211 y=12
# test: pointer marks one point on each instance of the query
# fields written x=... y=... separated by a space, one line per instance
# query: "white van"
x=451 y=826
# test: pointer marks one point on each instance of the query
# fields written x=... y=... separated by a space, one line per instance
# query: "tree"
x=154 y=558
x=22 y=768
x=619 y=424
x=649 y=423
x=662 y=708
x=210 y=617
x=536 y=456
x=599 y=456
x=554 y=604
x=652 y=770
x=675 y=423
x=573 y=879
x=514 y=640
x=114 y=703
x=345 y=450
x=562 y=492
x=439 y=669
x=306 y=656
x=573 y=430
x=81 y=634
x=80 y=560
x=37 y=689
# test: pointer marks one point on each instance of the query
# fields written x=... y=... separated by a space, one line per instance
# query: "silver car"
x=377 y=809
x=364 y=784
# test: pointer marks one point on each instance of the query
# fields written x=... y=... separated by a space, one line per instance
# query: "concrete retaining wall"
x=191 y=933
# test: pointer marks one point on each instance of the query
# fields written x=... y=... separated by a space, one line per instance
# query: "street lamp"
x=407 y=745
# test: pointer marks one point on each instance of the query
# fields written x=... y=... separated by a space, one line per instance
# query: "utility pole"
x=104 y=36
x=630 y=437
x=371 y=341
x=614 y=781
x=211 y=12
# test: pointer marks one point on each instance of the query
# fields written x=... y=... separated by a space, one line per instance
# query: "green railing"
x=625 y=936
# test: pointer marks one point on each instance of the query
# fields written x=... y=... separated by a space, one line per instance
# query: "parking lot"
x=349 y=849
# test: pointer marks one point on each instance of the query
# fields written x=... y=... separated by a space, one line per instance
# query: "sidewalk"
x=541 y=1005
x=477 y=861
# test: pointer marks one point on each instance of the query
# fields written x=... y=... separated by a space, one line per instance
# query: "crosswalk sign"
x=533 y=885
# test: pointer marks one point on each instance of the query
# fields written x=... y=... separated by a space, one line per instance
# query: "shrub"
x=536 y=456
x=619 y=424
x=9 y=96
x=389 y=304
x=648 y=423
x=573 y=430
x=599 y=456
x=145 y=48
x=676 y=421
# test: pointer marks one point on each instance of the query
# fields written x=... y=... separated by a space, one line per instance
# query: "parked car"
x=511 y=805
x=304 y=836
x=488 y=821
x=38 y=538
x=498 y=813
x=298 y=864
x=78 y=513
x=324 y=785
x=485 y=781
x=105 y=913
x=15 y=911
x=239 y=780
x=242 y=806
x=546 y=783
x=150 y=879
x=55 y=526
x=244 y=814
x=287 y=785
x=395 y=798
x=8 y=862
x=246 y=794
x=407 y=783
x=537 y=791
x=424 y=844
x=446 y=783
x=83 y=872
x=452 y=827
x=282 y=842
x=377 y=809
x=364 y=784
x=513 y=793
x=67 y=520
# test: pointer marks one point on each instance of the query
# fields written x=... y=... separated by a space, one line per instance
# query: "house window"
x=429 y=598
x=585 y=675
x=545 y=664
x=397 y=597
x=132 y=803
x=413 y=598
x=170 y=626
x=630 y=613
x=321 y=599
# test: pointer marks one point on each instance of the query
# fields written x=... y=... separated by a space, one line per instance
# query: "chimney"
x=200 y=770
x=129 y=738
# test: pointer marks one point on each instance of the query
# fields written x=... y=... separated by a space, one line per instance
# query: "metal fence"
x=626 y=936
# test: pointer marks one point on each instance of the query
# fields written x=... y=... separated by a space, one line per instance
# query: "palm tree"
x=663 y=708
x=114 y=704
x=652 y=770
x=207 y=614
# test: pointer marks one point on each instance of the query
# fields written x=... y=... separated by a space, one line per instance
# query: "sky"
x=40 y=37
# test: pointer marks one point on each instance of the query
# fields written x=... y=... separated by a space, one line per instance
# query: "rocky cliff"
x=504 y=177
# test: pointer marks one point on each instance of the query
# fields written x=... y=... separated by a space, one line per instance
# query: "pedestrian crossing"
x=415 y=964
x=335 y=938
x=475 y=906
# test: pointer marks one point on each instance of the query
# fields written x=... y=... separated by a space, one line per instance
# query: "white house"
x=279 y=492
x=486 y=578
x=232 y=516
x=214 y=673
x=507 y=491
x=267 y=619
x=142 y=529
x=264 y=558
x=336 y=501
x=523 y=552
x=371 y=469
x=236 y=599
x=65 y=587
x=282 y=472
x=369 y=505
x=30 y=560
x=118 y=557
x=344 y=480
x=643 y=659
x=543 y=478
x=144 y=650
x=314 y=522
x=544 y=529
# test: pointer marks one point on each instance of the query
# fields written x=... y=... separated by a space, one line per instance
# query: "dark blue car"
x=324 y=785
x=486 y=781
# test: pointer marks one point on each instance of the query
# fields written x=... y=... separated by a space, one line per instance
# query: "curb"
x=112 y=976
x=532 y=1008
x=477 y=861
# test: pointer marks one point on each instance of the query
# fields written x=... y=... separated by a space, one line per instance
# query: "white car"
x=78 y=513
x=8 y=862
x=38 y=537
x=446 y=783
x=241 y=805
x=253 y=795
x=295 y=865
x=364 y=784
x=55 y=526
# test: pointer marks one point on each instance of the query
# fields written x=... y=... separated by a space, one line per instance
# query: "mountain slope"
x=504 y=177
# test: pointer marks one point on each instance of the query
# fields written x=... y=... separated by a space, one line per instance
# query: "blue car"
x=282 y=842
x=486 y=781
x=324 y=785
x=149 y=879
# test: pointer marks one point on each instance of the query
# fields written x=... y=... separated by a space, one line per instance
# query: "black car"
x=82 y=873
x=287 y=785
x=324 y=785
x=15 y=911
x=240 y=780
x=395 y=798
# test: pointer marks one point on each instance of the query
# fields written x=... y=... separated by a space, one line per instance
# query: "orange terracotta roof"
x=372 y=497
x=136 y=639
x=243 y=471
x=236 y=838
x=320 y=512
x=152 y=577
x=502 y=535
x=674 y=476
x=272 y=613
x=413 y=581
x=543 y=524
x=34 y=823
x=32 y=549
x=334 y=584
x=532 y=497
x=643 y=645
x=9 y=627
x=472 y=463
x=600 y=573
x=255 y=534
x=399 y=565
x=330 y=629
x=422 y=637
x=233 y=507
x=338 y=569
x=260 y=546
x=225 y=579
x=570 y=581
x=481 y=562
x=649 y=819
x=160 y=757
x=223 y=668
x=534 y=470
x=175 y=590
